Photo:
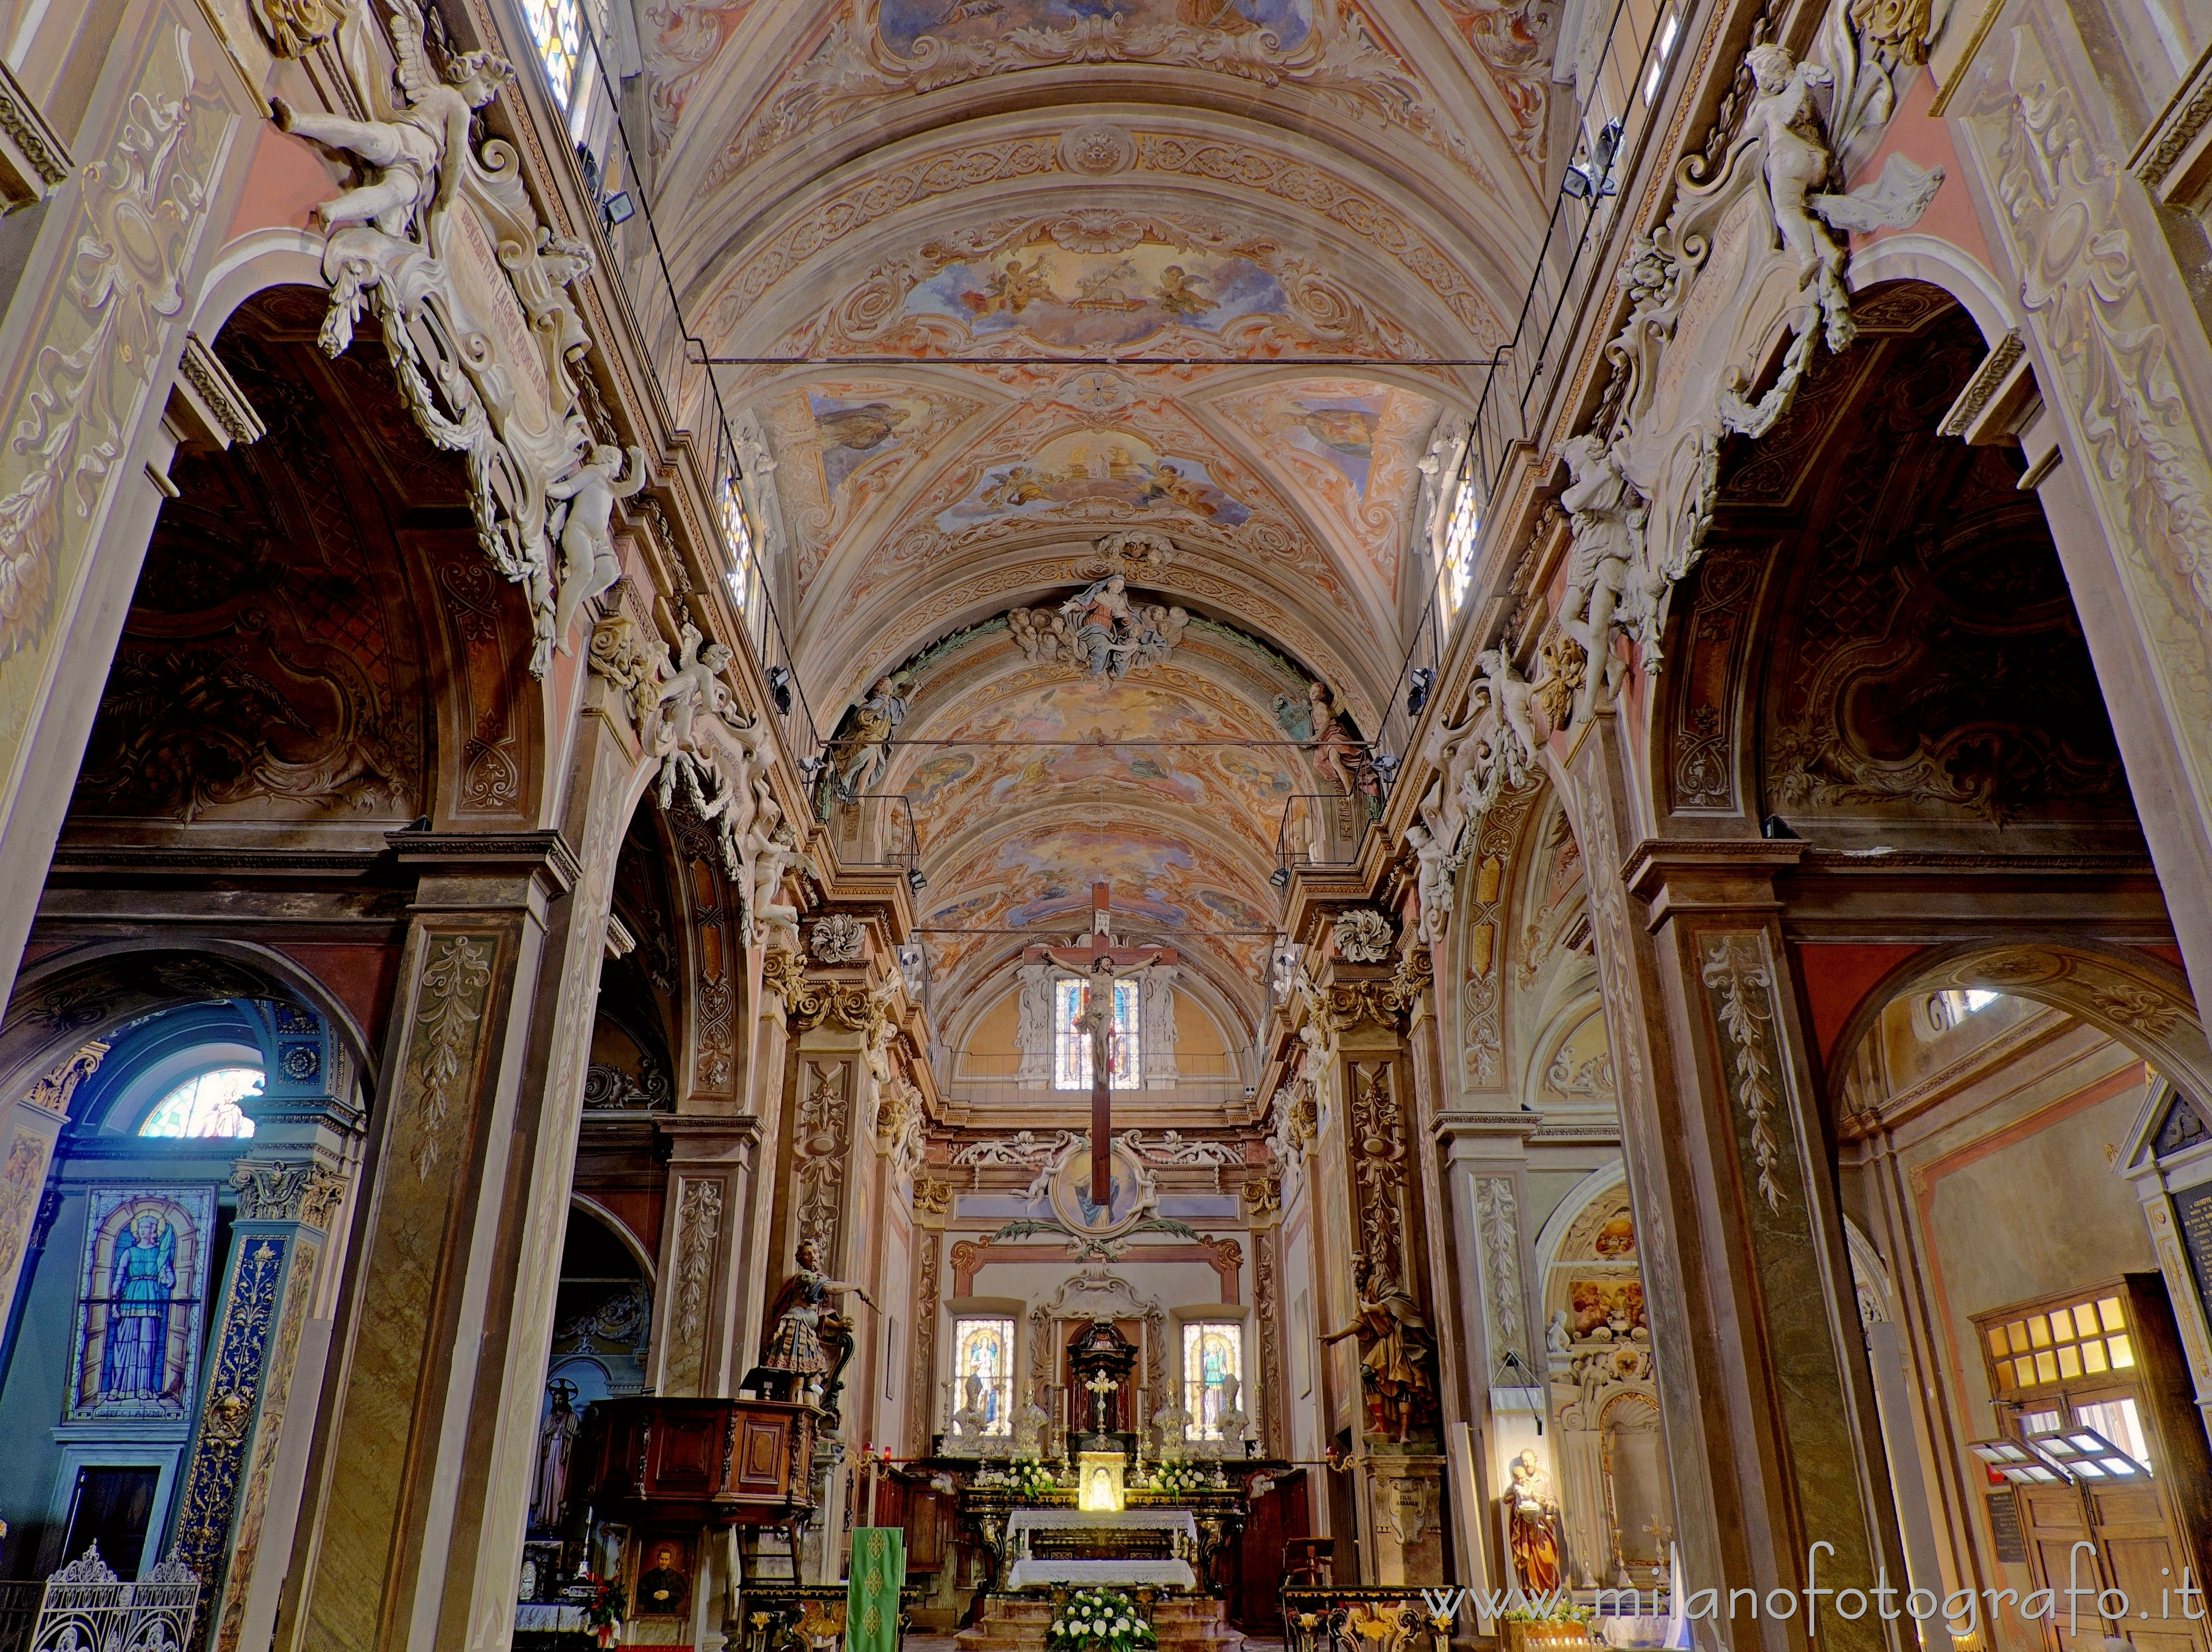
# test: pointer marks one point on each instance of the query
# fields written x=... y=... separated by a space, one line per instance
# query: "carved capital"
x=932 y=1198
x=297 y=1190
x=783 y=974
x=53 y=1092
x=811 y=1003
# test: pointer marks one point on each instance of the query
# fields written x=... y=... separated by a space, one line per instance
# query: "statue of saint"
x=1533 y=1515
x=808 y=1327
x=1395 y=1352
x=556 y=1446
x=1105 y=628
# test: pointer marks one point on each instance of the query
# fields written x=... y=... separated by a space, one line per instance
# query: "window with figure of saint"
x=1212 y=1377
x=983 y=1377
x=1071 y=1044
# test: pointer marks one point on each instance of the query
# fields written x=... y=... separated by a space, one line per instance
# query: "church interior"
x=1105 y=825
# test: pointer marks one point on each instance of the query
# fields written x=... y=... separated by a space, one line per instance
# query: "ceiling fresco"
x=1004 y=281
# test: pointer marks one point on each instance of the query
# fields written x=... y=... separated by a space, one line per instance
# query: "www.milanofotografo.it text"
x=2083 y=1605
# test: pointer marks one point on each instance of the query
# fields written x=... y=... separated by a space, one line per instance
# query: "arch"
x=251 y=264
x=2137 y=1001
x=606 y=1218
x=1580 y=1198
x=1913 y=256
x=86 y=992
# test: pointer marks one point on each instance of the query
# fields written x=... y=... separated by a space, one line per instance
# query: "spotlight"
x=778 y=688
x=1280 y=877
x=1386 y=766
x=1417 y=695
x=810 y=766
x=915 y=879
x=590 y=163
x=618 y=207
x=1775 y=827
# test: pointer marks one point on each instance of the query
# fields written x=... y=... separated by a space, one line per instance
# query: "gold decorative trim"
x=45 y=159
x=2176 y=127
x=219 y=392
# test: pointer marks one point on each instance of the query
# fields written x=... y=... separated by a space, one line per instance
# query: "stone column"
x=828 y=1109
x=1355 y=1018
x=2075 y=201
x=422 y=1473
x=1772 y=1431
x=291 y=1187
x=698 y=1346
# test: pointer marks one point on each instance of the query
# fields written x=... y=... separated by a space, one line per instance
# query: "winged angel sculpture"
x=469 y=284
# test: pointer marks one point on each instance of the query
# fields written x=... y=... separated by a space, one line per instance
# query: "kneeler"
x=871 y=1588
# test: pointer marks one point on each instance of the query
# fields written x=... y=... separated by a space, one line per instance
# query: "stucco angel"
x=1607 y=514
x=411 y=152
x=588 y=563
x=1434 y=865
x=1795 y=162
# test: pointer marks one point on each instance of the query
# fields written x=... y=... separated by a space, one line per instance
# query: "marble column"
x=698 y=1348
x=1772 y=1431
x=97 y=318
x=1354 y=1018
x=422 y=1473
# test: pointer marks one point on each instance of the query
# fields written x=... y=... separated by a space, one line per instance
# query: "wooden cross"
x=1101 y=964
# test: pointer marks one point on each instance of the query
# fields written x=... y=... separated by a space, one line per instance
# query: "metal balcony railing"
x=1620 y=93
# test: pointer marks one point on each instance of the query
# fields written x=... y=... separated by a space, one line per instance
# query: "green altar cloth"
x=871 y=1588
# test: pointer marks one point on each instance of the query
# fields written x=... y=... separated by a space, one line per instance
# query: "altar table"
x=1175 y=1526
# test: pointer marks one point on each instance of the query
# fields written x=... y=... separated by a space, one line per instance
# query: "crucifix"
x=1101 y=964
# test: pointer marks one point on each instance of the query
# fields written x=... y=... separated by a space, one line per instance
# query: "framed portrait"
x=141 y=1303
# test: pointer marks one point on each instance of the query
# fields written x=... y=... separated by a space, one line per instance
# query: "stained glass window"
x=984 y=1349
x=556 y=26
x=1212 y=1375
x=206 y=1104
x=738 y=540
x=1459 y=546
x=1071 y=1045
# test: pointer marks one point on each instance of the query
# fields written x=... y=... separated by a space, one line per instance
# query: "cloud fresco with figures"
x=1163 y=881
x=903 y=24
x=1112 y=468
x=1240 y=789
x=1096 y=300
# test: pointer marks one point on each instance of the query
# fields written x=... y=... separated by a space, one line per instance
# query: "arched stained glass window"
x=205 y=1105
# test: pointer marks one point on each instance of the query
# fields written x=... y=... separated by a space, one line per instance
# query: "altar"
x=1128 y=1548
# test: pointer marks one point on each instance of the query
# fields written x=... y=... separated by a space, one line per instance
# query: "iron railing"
x=1320 y=828
x=85 y=1608
x=1613 y=123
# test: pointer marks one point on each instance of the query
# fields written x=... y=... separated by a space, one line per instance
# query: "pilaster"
x=1772 y=1431
x=421 y=1477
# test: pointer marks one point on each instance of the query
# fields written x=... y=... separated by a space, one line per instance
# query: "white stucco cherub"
x=588 y=563
x=411 y=152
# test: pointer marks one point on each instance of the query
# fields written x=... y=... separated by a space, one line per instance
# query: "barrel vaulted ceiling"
x=996 y=205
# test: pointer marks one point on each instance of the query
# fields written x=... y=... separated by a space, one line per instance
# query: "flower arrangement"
x=1031 y=1477
x=1099 y=1620
x=1174 y=1477
x=603 y=1611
